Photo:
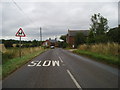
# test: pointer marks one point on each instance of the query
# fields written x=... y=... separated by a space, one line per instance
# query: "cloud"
x=55 y=18
x=0 y=20
x=119 y=13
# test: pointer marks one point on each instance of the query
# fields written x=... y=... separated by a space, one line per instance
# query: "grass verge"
x=15 y=63
x=109 y=59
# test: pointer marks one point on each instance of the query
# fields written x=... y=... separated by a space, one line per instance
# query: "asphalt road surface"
x=58 y=68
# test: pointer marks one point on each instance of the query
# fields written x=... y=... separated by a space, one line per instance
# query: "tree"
x=8 y=43
x=63 y=37
x=91 y=38
x=98 y=29
x=62 y=44
x=79 y=39
x=114 y=34
x=35 y=43
x=99 y=24
x=101 y=39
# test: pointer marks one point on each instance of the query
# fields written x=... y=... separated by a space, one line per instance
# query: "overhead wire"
x=28 y=17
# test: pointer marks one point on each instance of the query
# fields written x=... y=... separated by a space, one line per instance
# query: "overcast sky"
x=55 y=18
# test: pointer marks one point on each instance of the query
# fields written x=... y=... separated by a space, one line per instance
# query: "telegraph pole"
x=41 y=34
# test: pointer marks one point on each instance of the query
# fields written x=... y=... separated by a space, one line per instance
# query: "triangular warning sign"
x=20 y=33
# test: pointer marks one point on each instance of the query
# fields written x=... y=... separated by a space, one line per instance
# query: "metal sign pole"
x=20 y=47
x=20 y=34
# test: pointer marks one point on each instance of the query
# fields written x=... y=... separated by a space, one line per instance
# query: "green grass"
x=100 y=57
x=15 y=63
x=14 y=52
x=0 y=65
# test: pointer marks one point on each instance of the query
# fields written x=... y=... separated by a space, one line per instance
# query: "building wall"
x=48 y=43
x=70 y=40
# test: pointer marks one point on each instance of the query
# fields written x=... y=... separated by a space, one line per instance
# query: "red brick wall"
x=70 y=40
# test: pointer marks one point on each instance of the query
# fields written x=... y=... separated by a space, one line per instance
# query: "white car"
x=52 y=47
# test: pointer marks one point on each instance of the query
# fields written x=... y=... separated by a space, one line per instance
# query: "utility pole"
x=41 y=34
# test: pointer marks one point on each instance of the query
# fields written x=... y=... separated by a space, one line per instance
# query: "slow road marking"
x=45 y=63
x=74 y=80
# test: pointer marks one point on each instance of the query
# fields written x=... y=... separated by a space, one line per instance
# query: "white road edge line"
x=61 y=60
x=74 y=80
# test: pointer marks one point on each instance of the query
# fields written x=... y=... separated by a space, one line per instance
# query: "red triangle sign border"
x=17 y=34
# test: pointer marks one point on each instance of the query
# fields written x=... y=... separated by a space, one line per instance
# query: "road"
x=58 y=68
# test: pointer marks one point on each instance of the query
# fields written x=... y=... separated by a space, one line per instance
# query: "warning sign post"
x=20 y=34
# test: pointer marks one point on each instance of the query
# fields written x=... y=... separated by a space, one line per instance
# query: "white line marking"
x=61 y=60
x=76 y=83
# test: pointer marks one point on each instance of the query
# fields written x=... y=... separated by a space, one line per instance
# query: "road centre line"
x=74 y=80
x=61 y=59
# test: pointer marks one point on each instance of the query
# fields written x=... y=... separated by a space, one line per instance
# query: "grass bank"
x=108 y=53
x=11 y=53
x=102 y=48
x=100 y=57
x=12 y=64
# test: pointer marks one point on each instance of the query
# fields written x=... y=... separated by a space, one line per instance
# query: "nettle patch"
x=44 y=63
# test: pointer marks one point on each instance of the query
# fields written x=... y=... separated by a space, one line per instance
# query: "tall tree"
x=63 y=37
x=99 y=24
x=91 y=38
x=98 y=29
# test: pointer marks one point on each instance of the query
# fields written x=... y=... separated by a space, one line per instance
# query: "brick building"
x=50 y=42
x=70 y=39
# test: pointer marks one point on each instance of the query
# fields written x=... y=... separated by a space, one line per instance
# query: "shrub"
x=107 y=49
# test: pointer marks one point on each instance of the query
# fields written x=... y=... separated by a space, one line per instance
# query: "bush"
x=62 y=44
x=8 y=44
x=101 y=39
x=79 y=39
x=107 y=49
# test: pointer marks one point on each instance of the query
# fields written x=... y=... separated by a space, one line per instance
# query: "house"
x=50 y=42
x=70 y=39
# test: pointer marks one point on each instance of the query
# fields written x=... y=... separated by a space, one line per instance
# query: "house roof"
x=53 y=41
x=74 y=32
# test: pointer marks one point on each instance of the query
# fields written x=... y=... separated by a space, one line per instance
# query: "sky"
x=54 y=17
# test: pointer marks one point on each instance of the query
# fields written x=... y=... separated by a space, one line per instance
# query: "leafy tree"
x=62 y=44
x=79 y=39
x=101 y=39
x=63 y=37
x=114 y=34
x=98 y=29
x=99 y=24
x=8 y=43
x=35 y=43
x=91 y=38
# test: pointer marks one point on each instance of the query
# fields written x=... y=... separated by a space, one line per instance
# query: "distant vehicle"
x=52 y=47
